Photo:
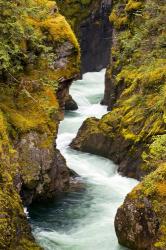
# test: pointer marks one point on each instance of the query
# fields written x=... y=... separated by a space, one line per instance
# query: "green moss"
x=29 y=103
x=139 y=69
x=155 y=153
x=118 y=21
x=133 y=5
x=34 y=105
x=77 y=11
x=153 y=187
x=58 y=28
x=13 y=224
x=29 y=110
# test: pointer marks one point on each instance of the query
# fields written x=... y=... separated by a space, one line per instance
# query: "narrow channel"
x=83 y=219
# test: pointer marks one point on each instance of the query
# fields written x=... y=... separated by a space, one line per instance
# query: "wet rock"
x=43 y=169
x=77 y=185
x=63 y=52
x=140 y=221
x=72 y=173
x=112 y=91
x=70 y=104
x=136 y=225
x=92 y=138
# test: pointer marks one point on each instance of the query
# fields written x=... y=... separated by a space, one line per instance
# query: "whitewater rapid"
x=83 y=219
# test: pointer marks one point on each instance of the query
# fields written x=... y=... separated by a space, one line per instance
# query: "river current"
x=83 y=219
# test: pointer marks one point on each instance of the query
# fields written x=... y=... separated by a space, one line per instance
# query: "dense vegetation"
x=138 y=68
x=19 y=43
x=24 y=34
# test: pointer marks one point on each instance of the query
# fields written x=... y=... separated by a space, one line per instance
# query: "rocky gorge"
x=39 y=59
x=132 y=134
x=35 y=38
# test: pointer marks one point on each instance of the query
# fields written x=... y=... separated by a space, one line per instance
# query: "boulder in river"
x=140 y=222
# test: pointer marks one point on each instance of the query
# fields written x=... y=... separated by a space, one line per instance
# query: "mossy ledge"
x=35 y=76
x=133 y=133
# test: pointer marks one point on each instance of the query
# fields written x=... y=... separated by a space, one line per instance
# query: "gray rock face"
x=92 y=139
x=62 y=55
x=43 y=168
x=112 y=91
x=137 y=225
x=95 y=38
x=70 y=104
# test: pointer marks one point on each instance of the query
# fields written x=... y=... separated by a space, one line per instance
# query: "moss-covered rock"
x=133 y=133
x=31 y=102
x=77 y=11
x=136 y=93
x=141 y=221
x=14 y=229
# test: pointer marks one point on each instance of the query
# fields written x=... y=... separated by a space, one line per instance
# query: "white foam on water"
x=95 y=231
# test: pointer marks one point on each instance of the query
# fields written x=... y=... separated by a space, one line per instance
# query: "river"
x=83 y=219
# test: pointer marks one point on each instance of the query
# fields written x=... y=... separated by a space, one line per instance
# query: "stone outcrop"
x=44 y=172
x=140 y=221
x=90 y=20
x=32 y=101
x=134 y=121
x=14 y=228
x=96 y=137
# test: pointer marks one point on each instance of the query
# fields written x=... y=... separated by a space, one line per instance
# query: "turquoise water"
x=84 y=219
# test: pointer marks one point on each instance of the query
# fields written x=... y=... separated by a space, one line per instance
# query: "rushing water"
x=84 y=219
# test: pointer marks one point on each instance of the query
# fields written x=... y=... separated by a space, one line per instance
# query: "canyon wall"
x=38 y=62
x=133 y=133
x=36 y=71
x=90 y=20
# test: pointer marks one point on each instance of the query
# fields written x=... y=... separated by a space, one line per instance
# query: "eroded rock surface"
x=140 y=221
x=43 y=169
